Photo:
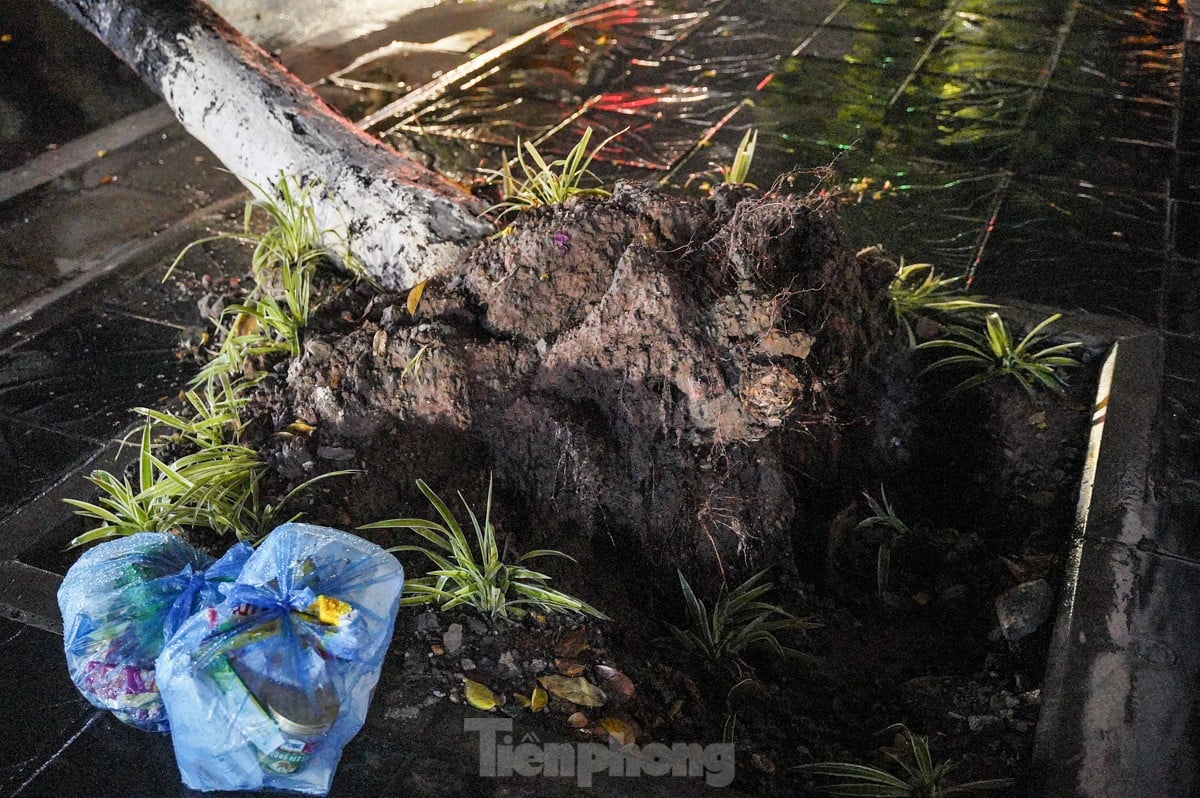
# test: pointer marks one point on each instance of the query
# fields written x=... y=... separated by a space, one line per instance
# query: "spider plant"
x=920 y=779
x=993 y=354
x=737 y=172
x=543 y=183
x=294 y=237
x=736 y=621
x=917 y=288
x=262 y=326
x=216 y=484
x=477 y=576
x=895 y=532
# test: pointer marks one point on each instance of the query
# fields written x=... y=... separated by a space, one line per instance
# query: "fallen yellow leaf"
x=539 y=700
x=480 y=696
x=577 y=690
x=414 y=297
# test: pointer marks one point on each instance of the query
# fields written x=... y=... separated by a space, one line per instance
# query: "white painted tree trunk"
x=404 y=222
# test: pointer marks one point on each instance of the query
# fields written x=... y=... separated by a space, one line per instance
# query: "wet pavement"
x=1048 y=151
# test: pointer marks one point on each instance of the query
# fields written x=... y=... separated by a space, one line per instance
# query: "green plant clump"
x=478 y=576
x=550 y=183
x=993 y=354
x=918 y=289
x=920 y=779
x=737 y=172
x=215 y=485
x=895 y=529
x=735 y=622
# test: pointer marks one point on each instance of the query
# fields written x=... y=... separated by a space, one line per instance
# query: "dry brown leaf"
x=614 y=682
x=568 y=667
x=574 y=642
x=379 y=343
x=620 y=730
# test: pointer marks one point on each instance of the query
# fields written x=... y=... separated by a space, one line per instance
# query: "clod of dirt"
x=667 y=375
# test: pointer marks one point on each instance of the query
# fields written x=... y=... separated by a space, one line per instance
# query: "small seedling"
x=477 y=576
x=735 y=622
x=294 y=236
x=918 y=289
x=737 y=172
x=895 y=533
x=919 y=779
x=992 y=354
x=550 y=183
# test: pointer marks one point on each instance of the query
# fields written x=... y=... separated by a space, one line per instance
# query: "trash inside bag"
x=265 y=689
x=120 y=601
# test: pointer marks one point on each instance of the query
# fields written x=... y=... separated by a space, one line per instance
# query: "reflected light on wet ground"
x=1025 y=145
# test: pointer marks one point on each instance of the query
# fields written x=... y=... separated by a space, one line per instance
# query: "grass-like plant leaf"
x=547 y=183
x=477 y=575
x=920 y=778
x=992 y=354
x=739 y=170
x=917 y=288
x=736 y=621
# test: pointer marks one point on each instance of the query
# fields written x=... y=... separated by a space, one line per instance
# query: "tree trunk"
x=404 y=222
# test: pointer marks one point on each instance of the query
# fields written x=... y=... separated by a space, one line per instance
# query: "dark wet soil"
x=711 y=386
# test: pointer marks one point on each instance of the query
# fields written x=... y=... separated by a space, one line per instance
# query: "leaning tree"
x=405 y=222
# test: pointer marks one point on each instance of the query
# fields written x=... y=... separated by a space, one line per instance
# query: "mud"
x=646 y=377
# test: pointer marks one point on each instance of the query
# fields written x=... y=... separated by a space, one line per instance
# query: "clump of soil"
x=645 y=377
x=655 y=384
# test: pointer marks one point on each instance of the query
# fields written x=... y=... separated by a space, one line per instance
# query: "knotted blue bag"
x=120 y=601
x=266 y=688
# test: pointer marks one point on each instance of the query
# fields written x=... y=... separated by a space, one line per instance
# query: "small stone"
x=437 y=650
x=577 y=720
x=467 y=665
x=453 y=638
x=427 y=622
x=317 y=351
x=477 y=627
x=335 y=453
x=389 y=316
x=1024 y=608
x=1033 y=698
x=982 y=724
x=508 y=661
x=402 y=713
x=537 y=665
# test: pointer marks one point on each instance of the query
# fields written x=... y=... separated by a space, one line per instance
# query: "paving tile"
x=951 y=137
x=110 y=758
x=841 y=84
x=1076 y=117
x=1123 y=166
x=988 y=29
x=909 y=17
x=968 y=98
x=32 y=458
x=83 y=375
x=1079 y=213
x=1181 y=297
x=957 y=57
x=865 y=48
x=1045 y=13
x=1124 y=712
x=1088 y=276
x=42 y=709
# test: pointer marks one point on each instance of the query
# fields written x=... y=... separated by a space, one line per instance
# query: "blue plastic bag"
x=265 y=689
x=120 y=601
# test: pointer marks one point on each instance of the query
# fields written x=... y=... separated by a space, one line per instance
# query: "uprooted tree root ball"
x=646 y=376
